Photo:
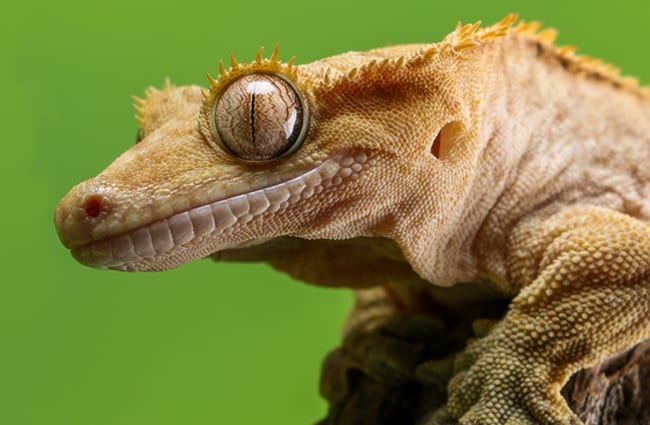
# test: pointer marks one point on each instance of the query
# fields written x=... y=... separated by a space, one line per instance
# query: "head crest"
x=466 y=38
x=260 y=65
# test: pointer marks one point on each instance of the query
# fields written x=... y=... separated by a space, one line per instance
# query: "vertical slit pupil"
x=253 y=117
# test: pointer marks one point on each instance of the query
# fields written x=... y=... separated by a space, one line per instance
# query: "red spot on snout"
x=94 y=206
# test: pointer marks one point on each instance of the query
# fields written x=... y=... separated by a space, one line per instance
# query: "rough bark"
x=614 y=392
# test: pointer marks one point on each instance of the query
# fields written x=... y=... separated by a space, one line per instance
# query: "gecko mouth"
x=206 y=229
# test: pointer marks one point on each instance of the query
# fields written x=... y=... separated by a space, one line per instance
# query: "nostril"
x=94 y=206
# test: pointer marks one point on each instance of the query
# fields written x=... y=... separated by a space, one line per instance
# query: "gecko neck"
x=539 y=168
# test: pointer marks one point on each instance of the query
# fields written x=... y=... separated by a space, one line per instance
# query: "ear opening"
x=445 y=138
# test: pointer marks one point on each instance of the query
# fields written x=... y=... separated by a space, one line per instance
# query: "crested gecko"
x=493 y=157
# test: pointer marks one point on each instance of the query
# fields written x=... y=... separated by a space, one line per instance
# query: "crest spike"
x=613 y=70
x=465 y=44
x=222 y=70
x=630 y=81
x=352 y=74
x=430 y=52
x=205 y=94
x=291 y=61
x=274 y=54
x=475 y=27
x=213 y=82
x=584 y=60
x=233 y=62
x=567 y=51
x=138 y=101
x=528 y=27
x=150 y=91
x=509 y=20
x=547 y=36
x=326 y=76
x=139 y=109
x=469 y=30
x=258 y=56
x=139 y=119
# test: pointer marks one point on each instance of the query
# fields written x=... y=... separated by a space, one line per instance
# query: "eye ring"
x=259 y=116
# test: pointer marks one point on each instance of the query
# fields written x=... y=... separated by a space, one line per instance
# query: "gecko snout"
x=79 y=214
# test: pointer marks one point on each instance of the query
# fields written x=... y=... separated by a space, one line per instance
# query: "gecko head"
x=274 y=162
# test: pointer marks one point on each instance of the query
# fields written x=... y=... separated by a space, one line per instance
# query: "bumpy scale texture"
x=492 y=157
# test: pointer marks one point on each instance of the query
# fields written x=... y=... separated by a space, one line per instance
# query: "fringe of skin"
x=470 y=36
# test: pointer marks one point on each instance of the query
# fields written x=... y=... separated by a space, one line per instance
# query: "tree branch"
x=614 y=392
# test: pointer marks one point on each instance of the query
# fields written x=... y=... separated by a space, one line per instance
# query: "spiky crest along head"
x=140 y=105
x=466 y=38
x=157 y=105
x=256 y=111
x=397 y=58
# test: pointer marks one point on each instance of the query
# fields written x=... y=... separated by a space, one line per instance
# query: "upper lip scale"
x=165 y=234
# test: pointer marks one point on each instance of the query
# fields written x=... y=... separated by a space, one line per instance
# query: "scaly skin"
x=493 y=156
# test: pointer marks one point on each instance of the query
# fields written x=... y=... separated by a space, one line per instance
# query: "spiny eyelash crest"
x=271 y=65
x=237 y=69
x=140 y=104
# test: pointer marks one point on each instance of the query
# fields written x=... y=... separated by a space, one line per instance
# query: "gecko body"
x=492 y=157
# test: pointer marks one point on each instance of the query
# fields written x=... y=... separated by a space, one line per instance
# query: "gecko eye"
x=260 y=117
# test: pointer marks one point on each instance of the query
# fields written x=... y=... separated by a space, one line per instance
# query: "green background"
x=207 y=343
